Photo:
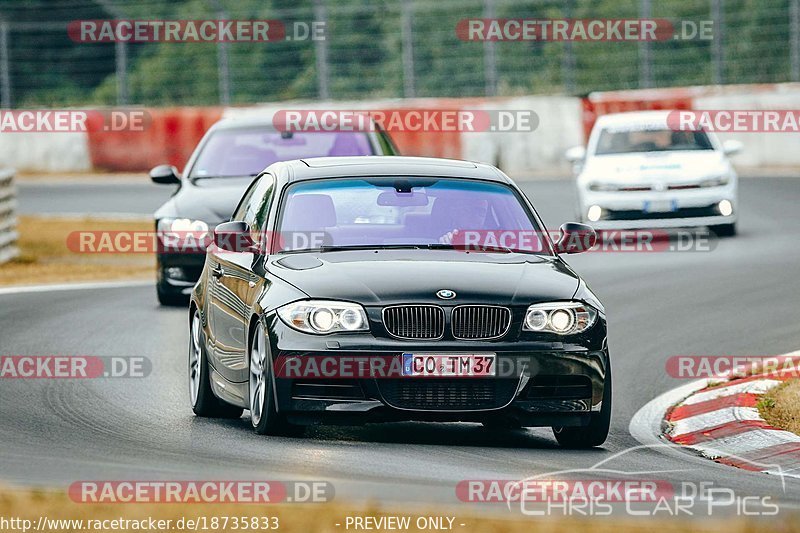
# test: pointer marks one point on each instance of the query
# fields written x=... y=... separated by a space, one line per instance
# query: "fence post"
x=121 y=52
x=568 y=61
x=645 y=49
x=5 y=75
x=223 y=63
x=717 y=49
x=8 y=219
x=794 y=39
x=321 y=51
x=489 y=56
x=407 y=29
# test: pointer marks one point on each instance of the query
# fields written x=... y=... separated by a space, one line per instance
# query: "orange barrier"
x=169 y=136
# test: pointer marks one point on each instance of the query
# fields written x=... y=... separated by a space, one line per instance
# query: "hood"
x=212 y=201
x=655 y=167
x=395 y=276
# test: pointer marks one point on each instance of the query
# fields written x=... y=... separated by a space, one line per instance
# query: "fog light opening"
x=594 y=213
x=725 y=208
x=175 y=273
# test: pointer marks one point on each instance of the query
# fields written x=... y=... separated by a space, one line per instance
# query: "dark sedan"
x=349 y=290
x=225 y=161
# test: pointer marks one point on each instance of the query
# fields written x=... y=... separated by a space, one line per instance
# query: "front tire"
x=204 y=403
x=596 y=432
x=264 y=416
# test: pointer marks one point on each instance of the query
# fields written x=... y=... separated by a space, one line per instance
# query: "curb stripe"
x=751 y=442
x=754 y=387
x=780 y=375
x=728 y=429
x=714 y=418
x=722 y=422
x=708 y=406
x=786 y=453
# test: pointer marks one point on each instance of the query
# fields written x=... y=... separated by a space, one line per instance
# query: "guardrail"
x=8 y=218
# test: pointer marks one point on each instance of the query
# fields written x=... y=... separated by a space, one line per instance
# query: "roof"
x=634 y=117
x=330 y=167
x=262 y=120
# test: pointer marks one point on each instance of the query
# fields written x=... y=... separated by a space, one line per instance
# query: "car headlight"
x=716 y=181
x=602 y=187
x=182 y=226
x=562 y=318
x=321 y=316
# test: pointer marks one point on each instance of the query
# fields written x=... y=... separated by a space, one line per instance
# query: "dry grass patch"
x=45 y=257
x=780 y=406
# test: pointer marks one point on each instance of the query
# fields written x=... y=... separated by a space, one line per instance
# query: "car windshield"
x=396 y=212
x=248 y=151
x=628 y=141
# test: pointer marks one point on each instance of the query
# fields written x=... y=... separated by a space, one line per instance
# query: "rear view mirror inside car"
x=402 y=199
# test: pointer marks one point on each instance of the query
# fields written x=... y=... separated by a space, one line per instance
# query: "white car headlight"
x=182 y=226
x=563 y=318
x=322 y=316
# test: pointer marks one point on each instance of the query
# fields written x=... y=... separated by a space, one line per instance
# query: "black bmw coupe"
x=368 y=289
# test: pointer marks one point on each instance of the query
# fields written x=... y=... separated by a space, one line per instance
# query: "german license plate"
x=659 y=206
x=448 y=365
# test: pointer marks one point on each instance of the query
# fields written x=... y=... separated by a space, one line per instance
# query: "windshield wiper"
x=355 y=247
x=476 y=248
x=339 y=248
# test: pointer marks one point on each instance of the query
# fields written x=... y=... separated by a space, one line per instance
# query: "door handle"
x=217 y=272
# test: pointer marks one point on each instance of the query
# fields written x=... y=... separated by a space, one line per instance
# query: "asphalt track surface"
x=96 y=195
x=739 y=299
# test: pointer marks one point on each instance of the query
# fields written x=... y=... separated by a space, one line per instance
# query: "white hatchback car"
x=636 y=172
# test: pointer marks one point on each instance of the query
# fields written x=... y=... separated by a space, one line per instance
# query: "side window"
x=238 y=215
x=257 y=209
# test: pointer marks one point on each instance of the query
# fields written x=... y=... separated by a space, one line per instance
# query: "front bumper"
x=687 y=208
x=541 y=383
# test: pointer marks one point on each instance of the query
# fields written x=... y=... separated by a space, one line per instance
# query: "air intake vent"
x=448 y=394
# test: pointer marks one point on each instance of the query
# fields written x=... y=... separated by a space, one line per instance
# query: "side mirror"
x=576 y=154
x=732 y=147
x=575 y=238
x=165 y=175
x=235 y=237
